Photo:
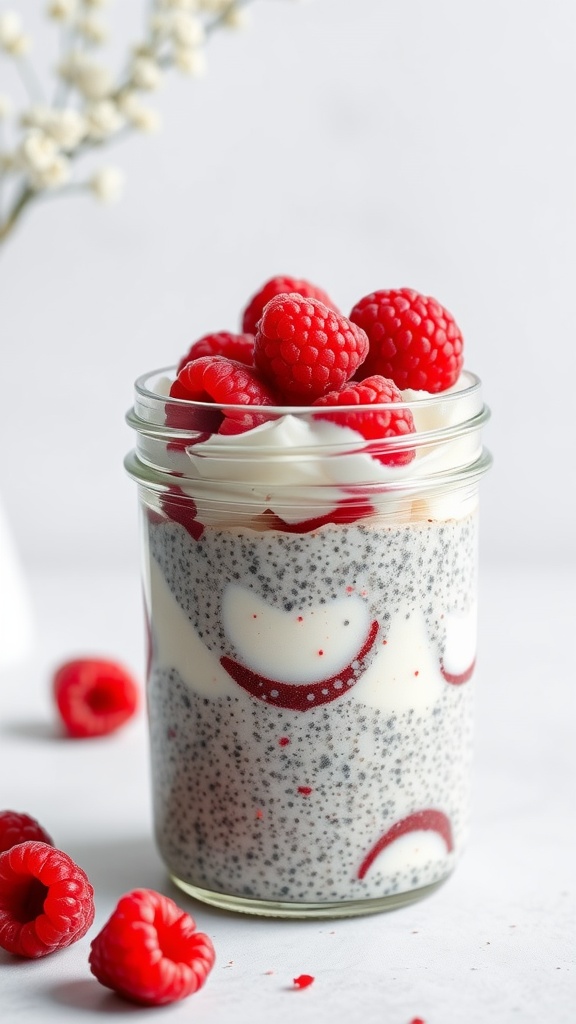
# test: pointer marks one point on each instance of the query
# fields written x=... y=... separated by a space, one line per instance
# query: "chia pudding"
x=309 y=573
x=345 y=777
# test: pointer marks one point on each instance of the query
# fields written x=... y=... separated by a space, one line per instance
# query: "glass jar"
x=311 y=612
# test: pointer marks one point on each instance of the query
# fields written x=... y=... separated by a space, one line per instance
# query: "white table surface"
x=495 y=944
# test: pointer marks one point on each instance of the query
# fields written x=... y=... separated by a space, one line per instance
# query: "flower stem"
x=21 y=202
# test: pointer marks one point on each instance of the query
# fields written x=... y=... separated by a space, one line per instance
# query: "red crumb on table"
x=417 y=1020
x=283 y=741
x=305 y=790
x=304 y=980
x=259 y=813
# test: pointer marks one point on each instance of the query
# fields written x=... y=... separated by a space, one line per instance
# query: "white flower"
x=61 y=10
x=236 y=18
x=103 y=119
x=214 y=6
x=10 y=28
x=93 y=80
x=179 y=5
x=39 y=158
x=143 y=118
x=186 y=30
x=12 y=38
x=92 y=28
x=5 y=106
x=9 y=162
x=107 y=184
x=67 y=127
x=146 y=73
x=190 y=61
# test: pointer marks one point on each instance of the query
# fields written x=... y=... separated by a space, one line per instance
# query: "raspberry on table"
x=221 y=343
x=280 y=285
x=94 y=696
x=46 y=900
x=413 y=339
x=149 y=950
x=373 y=424
x=306 y=349
x=227 y=382
x=16 y=827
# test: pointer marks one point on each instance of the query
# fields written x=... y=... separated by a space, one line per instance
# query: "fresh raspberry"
x=305 y=348
x=227 y=383
x=18 y=828
x=375 y=425
x=94 y=696
x=221 y=343
x=413 y=339
x=46 y=900
x=149 y=950
x=280 y=285
x=192 y=420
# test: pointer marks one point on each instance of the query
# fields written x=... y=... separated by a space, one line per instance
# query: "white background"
x=362 y=144
x=359 y=143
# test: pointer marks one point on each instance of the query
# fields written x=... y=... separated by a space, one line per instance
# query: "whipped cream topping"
x=300 y=466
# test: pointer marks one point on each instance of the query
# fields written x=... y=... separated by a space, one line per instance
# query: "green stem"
x=24 y=199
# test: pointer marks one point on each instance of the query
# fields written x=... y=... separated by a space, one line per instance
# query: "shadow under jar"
x=311 y=613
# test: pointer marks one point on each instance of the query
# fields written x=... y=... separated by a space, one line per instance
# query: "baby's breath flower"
x=160 y=24
x=12 y=39
x=43 y=164
x=8 y=162
x=190 y=61
x=214 y=6
x=145 y=73
x=234 y=17
x=100 y=104
x=92 y=28
x=37 y=150
x=10 y=28
x=179 y=5
x=61 y=10
x=107 y=184
x=93 y=80
x=103 y=119
x=5 y=106
x=66 y=127
x=186 y=30
x=143 y=118
x=35 y=117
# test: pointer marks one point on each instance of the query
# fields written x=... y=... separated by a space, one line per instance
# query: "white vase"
x=16 y=618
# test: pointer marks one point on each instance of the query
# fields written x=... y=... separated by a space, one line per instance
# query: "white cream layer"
x=404 y=672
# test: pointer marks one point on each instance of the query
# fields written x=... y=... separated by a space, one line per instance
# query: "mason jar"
x=311 y=604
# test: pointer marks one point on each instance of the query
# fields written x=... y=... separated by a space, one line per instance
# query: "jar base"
x=277 y=908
